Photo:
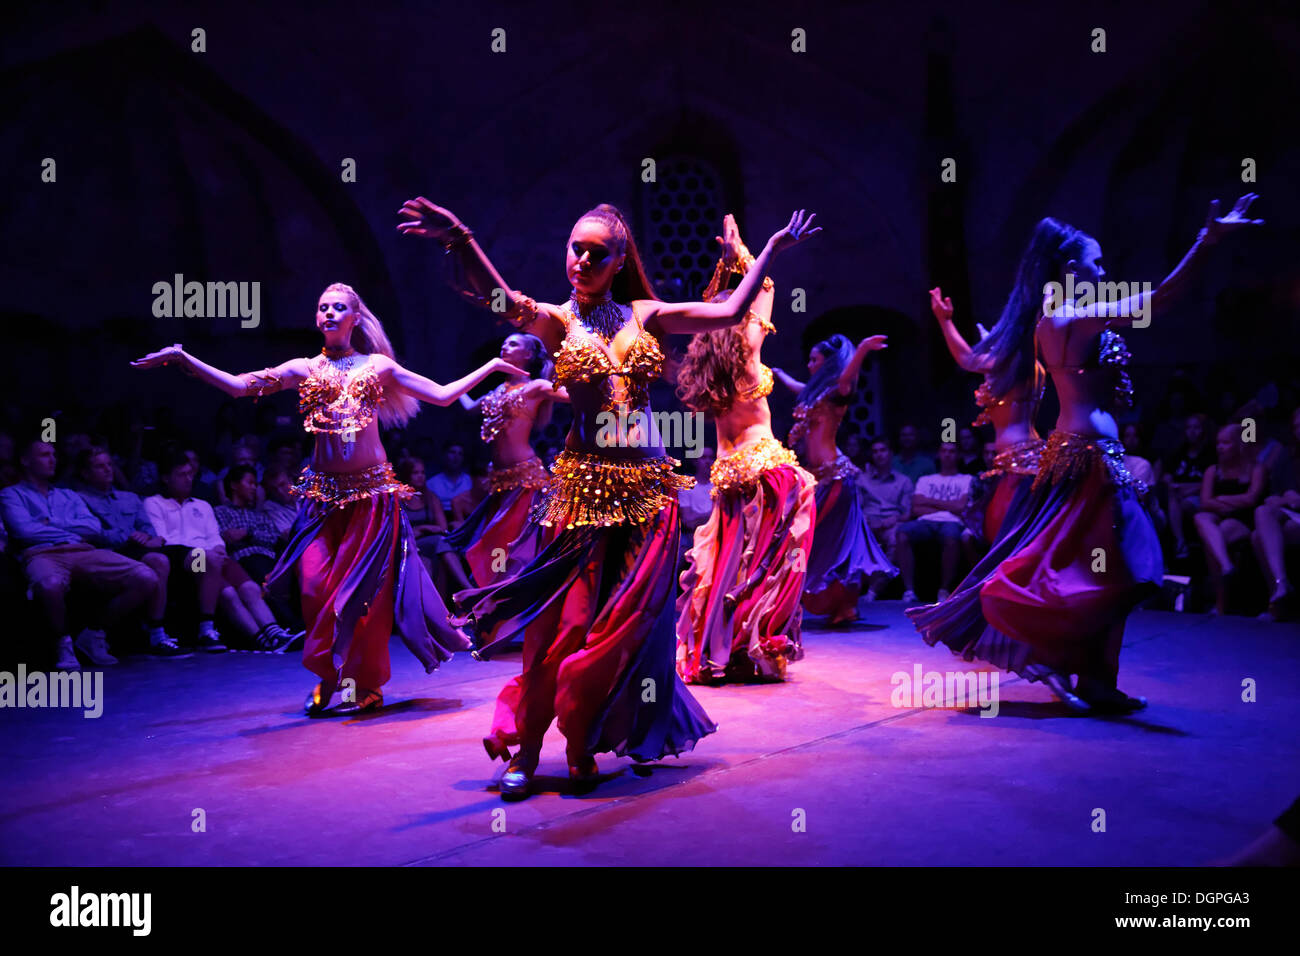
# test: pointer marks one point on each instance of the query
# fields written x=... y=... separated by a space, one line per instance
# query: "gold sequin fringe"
x=1068 y=456
x=340 y=488
x=591 y=490
x=740 y=470
x=1022 y=458
x=530 y=473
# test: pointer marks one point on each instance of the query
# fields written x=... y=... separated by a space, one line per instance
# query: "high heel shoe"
x=1059 y=684
x=584 y=771
x=496 y=750
x=368 y=701
x=318 y=702
x=1112 y=700
x=518 y=778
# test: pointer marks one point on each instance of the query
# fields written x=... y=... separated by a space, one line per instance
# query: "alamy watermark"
x=638 y=429
x=208 y=300
x=1080 y=298
x=959 y=689
x=80 y=689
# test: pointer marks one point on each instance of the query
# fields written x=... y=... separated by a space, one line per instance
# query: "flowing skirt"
x=845 y=554
x=498 y=539
x=740 y=615
x=362 y=580
x=596 y=612
x=1080 y=555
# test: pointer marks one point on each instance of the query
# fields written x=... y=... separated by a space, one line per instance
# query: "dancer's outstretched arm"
x=872 y=343
x=426 y=389
x=788 y=380
x=1101 y=315
x=957 y=345
x=482 y=283
x=286 y=375
x=685 y=318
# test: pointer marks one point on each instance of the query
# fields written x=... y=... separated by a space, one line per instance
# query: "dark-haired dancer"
x=497 y=538
x=739 y=616
x=1009 y=396
x=361 y=575
x=845 y=554
x=1062 y=581
x=595 y=605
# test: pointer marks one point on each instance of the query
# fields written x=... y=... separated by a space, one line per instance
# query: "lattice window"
x=682 y=213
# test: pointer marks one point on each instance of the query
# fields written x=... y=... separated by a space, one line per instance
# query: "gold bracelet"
x=461 y=235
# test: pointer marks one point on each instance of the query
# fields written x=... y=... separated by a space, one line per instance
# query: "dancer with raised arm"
x=739 y=614
x=845 y=555
x=1063 y=579
x=1008 y=398
x=362 y=579
x=497 y=537
x=596 y=604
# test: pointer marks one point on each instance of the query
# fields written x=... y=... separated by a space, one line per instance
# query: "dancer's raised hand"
x=940 y=306
x=1216 y=225
x=730 y=239
x=874 y=343
x=165 y=356
x=799 y=228
x=501 y=365
x=425 y=219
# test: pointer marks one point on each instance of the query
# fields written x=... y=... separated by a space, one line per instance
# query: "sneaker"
x=274 y=640
x=294 y=643
x=210 y=641
x=166 y=648
x=909 y=597
x=67 y=656
x=93 y=644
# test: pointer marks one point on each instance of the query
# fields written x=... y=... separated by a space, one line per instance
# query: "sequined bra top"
x=333 y=400
x=1029 y=399
x=584 y=359
x=1111 y=361
x=499 y=407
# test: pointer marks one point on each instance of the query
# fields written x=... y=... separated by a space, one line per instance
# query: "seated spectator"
x=278 y=503
x=696 y=504
x=910 y=461
x=126 y=529
x=887 y=503
x=970 y=452
x=50 y=531
x=191 y=540
x=1231 y=489
x=453 y=479
x=1277 y=527
x=429 y=522
x=1181 y=475
x=1141 y=469
x=243 y=455
x=856 y=449
x=204 y=483
x=937 y=506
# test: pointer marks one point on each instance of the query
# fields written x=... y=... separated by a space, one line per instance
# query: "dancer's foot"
x=518 y=778
x=1059 y=684
x=909 y=596
x=367 y=700
x=583 y=770
x=1109 y=700
x=318 y=701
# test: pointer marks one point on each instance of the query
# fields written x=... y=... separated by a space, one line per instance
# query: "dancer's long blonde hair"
x=369 y=338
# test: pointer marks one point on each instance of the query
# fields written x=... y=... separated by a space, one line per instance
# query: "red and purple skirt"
x=498 y=538
x=845 y=554
x=1081 y=554
x=362 y=579
x=597 y=617
x=739 y=616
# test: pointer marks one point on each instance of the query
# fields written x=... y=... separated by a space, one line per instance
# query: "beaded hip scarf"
x=340 y=488
x=740 y=470
x=1022 y=458
x=589 y=489
x=841 y=467
x=530 y=473
x=1067 y=455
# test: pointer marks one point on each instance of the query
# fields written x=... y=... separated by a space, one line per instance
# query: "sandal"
x=368 y=701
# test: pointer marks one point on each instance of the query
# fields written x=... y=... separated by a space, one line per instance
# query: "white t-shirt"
x=943 y=488
x=192 y=524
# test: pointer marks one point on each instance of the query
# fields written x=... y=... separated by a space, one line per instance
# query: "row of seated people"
x=139 y=553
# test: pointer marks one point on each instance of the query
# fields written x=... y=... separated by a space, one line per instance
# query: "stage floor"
x=1196 y=776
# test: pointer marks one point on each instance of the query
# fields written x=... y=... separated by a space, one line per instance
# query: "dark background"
x=225 y=166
